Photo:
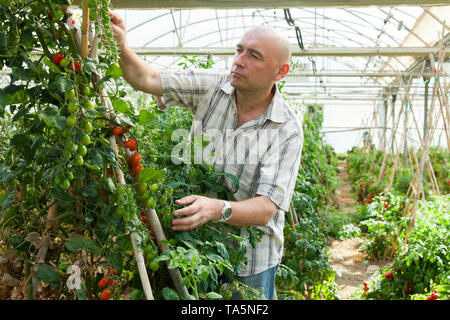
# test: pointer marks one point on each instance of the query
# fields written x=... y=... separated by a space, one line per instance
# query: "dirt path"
x=345 y=256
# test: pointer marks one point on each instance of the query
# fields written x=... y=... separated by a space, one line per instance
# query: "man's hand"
x=118 y=26
x=200 y=210
x=255 y=211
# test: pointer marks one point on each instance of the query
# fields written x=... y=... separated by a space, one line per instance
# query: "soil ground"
x=345 y=256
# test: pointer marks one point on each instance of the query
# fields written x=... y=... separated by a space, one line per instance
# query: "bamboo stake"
x=85 y=30
x=417 y=181
x=394 y=132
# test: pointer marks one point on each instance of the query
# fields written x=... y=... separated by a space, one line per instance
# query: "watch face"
x=227 y=214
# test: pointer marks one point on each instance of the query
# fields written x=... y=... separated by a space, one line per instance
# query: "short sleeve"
x=186 y=88
x=279 y=170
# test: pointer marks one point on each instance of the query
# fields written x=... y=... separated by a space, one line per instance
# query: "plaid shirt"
x=264 y=153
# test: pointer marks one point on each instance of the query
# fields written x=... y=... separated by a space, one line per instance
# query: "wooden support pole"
x=85 y=30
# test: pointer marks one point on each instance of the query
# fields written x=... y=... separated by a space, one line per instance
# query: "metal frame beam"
x=310 y=52
x=237 y=4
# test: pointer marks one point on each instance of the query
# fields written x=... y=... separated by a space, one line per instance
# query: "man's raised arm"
x=138 y=73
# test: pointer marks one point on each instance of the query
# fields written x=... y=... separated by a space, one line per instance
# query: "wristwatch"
x=225 y=213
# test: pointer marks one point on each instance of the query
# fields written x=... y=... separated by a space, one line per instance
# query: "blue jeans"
x=265 y=280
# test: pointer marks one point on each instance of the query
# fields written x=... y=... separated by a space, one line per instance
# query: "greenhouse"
x=224 y=150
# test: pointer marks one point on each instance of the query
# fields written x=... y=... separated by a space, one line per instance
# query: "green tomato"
x=73 y=107
x=86 y=91
x=87 y=126
x=79 y=160
x=145 y=195
x=85 y=139
x=93 y=14
x=69 y=175
x=70 y=95
x=163 y=200
x=65 y=184
x=88 y=104
x=71 y=121
x=142 y=187
x=64 y=62
x=154 y=187
x=82 y=150
x=150 y=203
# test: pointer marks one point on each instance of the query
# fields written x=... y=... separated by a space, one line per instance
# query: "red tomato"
x=117 y=130
x=105 y=294
x=76 y=64
x=102 y=282
x=131 y=145
x=57 y=58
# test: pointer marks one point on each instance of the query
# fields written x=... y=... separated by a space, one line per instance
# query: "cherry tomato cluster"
x=409 y=286
x=108 y=284
x=434 y=296
x=61 y=61
x=366 y=287
x=78 y=127
x=389 y=275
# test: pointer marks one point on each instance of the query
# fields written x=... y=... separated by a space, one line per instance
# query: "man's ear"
x=282 y=72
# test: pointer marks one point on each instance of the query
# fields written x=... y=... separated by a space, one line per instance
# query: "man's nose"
x=239 y=60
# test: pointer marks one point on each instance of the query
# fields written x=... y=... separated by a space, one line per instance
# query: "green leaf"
x=120 y=105
x=109 y=185
x=145 y=116
x=169 y=294
x=48 y=274
x=60 y=84
x=110 y=155
x=51 y=65
x=114 y=71
x=213 y=296
x=74 y=244
x=90 y=190
x=52 y=118
x=96 y=157
x=20 y=140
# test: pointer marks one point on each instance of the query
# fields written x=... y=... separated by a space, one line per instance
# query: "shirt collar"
x=275 y=110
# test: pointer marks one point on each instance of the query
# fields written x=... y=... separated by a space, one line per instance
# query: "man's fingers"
x=185 y=211
x=187 y=200
x=187 y=223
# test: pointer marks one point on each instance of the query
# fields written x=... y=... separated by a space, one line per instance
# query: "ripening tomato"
x=64 y=62
x=137 y=168
x=134 y=159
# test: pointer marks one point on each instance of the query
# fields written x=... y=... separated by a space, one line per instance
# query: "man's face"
x=255 y=63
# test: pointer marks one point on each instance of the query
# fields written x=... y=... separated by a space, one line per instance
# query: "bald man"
x=254 y=135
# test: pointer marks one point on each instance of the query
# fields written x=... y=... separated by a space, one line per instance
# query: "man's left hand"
x=199 y=210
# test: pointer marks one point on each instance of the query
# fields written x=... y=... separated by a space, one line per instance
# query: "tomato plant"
x=58 y=169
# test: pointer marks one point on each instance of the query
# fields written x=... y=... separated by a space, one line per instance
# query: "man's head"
x=262 y=58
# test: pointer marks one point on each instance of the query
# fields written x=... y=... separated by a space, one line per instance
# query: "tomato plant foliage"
x=60 y=201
